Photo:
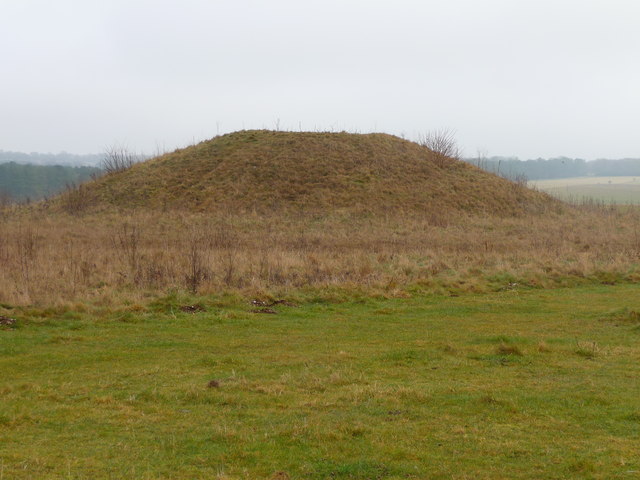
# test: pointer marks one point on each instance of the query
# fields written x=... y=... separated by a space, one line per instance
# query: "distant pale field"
x=619 y=190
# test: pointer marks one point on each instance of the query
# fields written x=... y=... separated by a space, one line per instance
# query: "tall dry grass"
x=52 y=259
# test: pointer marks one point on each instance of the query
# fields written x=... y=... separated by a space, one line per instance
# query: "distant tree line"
x=560 y=167
x=22 y=182
x=63 y=158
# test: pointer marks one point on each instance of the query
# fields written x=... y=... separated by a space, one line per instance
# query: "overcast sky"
x=531 y=78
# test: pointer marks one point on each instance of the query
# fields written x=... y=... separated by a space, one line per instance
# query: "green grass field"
x=511 y=385
x=610 y=190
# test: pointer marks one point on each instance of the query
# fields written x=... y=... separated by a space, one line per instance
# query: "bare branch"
x=442 y=142
x=118 y=159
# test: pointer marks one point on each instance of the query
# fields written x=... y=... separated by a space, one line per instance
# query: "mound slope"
x=267 y=171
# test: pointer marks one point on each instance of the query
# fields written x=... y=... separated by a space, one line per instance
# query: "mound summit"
x=267 y=171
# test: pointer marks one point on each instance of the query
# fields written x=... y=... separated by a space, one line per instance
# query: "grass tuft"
x=588 y=350
x=505 y=349
x=624 y=316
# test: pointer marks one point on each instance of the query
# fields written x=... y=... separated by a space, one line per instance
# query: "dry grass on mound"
x=55 y=259
x=294 y=172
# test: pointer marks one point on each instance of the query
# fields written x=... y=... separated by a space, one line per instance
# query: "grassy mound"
x=266 y=171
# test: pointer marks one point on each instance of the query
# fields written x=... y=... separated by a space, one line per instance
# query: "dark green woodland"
x=21 y=183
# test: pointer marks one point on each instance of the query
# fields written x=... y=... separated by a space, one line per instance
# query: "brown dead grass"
x=48 y=259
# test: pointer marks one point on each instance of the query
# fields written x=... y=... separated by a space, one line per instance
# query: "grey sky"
x=526 y=78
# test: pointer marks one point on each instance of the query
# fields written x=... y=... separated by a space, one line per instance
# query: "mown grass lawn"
x=518 y=384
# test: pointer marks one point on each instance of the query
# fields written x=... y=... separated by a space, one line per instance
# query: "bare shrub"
x=197 y=248
x=230 y=265
x=127 y=242
x=118 y=159
x=154 y=273
x=27 y=249
x=443 y=143
x=75 y=199
x=79 y=267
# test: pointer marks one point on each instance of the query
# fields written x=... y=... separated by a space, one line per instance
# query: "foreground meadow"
x=521 y=383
